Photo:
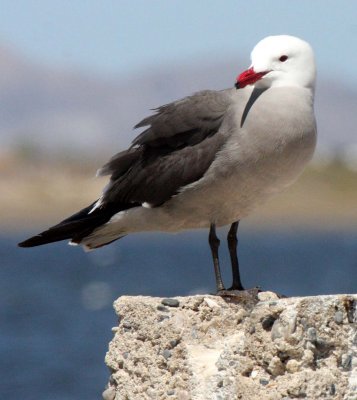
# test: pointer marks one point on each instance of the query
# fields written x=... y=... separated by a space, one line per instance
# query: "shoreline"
x=35 y=197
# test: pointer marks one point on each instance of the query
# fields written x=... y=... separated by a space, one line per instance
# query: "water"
x=56 y=301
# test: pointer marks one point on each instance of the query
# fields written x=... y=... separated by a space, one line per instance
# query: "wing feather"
x=203 y=112
x=177 y=148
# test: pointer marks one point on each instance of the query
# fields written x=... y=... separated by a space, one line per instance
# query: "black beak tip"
x=236 y=85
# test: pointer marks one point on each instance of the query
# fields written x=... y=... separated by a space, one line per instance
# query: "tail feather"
x=76 y=227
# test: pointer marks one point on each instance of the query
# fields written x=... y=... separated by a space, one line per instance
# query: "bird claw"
x=240 y=294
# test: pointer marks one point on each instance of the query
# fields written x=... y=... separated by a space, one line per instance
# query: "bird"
x=209 y=159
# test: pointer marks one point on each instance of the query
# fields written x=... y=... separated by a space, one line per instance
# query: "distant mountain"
x=72 y=110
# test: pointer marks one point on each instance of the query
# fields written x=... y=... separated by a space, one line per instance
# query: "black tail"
x=76 y=227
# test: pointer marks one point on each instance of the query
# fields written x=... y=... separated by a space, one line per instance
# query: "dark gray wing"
x=177 y=148
x=185 y=122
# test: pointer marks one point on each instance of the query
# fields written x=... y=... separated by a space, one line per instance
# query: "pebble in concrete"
x=109 y=394
x=161 y=307
x=346 y=361
x=170 y=302
x=338 y=317
x=167 y=354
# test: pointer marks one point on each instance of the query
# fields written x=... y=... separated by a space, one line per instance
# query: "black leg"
x=232 y=246
x=214 y=244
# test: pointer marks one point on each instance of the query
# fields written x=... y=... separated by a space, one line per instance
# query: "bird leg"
x=214 y=244
x=232 y=246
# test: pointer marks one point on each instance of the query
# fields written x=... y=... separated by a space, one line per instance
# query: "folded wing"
x=177 y=147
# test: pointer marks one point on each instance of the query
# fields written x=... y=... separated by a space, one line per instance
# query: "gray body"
x=261 y=142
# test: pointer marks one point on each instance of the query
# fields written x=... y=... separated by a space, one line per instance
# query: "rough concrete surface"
x=208 y=347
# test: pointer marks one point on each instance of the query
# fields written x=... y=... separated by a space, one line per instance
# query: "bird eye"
x=283 y=58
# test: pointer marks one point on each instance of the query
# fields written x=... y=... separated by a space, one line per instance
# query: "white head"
x=280 y=61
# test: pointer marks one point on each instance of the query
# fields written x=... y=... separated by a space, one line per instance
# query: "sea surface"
x=56 y=309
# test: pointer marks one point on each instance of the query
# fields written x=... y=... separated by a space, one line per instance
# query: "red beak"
x=248 y=77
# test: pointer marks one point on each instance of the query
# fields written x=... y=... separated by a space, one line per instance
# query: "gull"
x=209 y=159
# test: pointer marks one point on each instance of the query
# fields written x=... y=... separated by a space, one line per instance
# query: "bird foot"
x=245 y=294
x=238 y=292
x=240 y=295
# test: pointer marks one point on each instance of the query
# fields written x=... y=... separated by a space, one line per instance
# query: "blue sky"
x=124 y=36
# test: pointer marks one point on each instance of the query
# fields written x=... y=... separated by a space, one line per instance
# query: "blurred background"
x=75 y=77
